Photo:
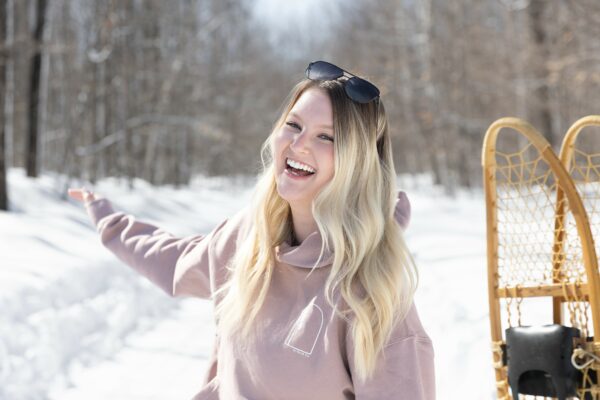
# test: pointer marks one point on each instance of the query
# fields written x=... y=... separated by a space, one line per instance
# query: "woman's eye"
x=293 y=125
x=326 y=137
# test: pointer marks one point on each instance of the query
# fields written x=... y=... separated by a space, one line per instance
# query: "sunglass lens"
x=360 y=90
x=322 y=70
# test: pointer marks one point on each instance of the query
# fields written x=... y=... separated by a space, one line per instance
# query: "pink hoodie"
x=302 y=350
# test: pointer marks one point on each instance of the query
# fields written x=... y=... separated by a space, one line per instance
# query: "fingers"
x=75 y=194
x=81 y=194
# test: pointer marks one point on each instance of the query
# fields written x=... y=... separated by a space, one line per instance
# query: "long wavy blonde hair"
x=372 y=268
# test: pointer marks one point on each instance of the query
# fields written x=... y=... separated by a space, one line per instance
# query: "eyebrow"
x=293 y=114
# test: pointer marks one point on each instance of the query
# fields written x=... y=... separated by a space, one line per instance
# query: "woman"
x=312 y=283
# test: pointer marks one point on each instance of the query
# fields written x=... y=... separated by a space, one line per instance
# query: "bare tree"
x=34 y=89
x=541 y=110
x=3 y=61
x=164 y=90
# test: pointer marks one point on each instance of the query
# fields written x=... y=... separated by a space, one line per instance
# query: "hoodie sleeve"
x=404 y=369
x=405 y=372
x=179 y=266
x=402 y=211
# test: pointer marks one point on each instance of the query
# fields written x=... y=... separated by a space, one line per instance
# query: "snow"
x=75 y=323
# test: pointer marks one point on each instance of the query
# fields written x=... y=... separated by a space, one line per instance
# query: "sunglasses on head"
x=358 y=89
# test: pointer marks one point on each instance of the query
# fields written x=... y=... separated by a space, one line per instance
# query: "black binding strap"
x=539 y=361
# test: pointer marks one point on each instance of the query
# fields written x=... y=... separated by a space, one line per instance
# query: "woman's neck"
x=303 y=224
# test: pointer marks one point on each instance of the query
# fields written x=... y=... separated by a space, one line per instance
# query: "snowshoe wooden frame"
x=569 y=273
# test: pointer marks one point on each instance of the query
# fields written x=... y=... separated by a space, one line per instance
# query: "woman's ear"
x=402 y=210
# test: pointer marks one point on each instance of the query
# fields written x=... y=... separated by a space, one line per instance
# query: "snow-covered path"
x=77 y=324
x=447 y=238
x=166 y=361
x=67 y=305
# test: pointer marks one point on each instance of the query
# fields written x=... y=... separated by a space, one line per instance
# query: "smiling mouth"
x=298 y=169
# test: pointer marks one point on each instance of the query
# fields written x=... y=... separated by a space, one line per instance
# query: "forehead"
x=314 y=104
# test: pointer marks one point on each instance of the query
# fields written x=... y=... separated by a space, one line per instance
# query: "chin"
x=289 y=197
x=290 y=192
x=292 y=198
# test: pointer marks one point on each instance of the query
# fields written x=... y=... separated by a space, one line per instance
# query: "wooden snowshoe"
x=542 y=214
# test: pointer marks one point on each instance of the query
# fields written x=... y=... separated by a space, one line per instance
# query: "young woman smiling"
x=312 y=282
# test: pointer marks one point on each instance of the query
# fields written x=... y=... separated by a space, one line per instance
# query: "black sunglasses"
x=358 y=89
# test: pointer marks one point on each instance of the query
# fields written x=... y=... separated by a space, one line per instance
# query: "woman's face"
x=305 y=140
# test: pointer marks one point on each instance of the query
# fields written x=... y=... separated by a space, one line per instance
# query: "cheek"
x=278 y=146
x=276 y=143
x=328 y=163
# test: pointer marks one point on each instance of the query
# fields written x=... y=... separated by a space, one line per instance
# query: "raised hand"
x=82 y=194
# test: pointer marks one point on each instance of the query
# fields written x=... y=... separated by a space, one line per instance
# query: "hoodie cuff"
x=99 y=209
x=402 y=210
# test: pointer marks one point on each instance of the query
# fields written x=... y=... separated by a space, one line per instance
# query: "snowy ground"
x=77 y=324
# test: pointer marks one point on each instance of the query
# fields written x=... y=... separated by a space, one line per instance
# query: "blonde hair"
x=372 y=268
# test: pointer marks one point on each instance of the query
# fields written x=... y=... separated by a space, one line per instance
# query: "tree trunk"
x=34 y=90
x=541 y=107
x=3 y=61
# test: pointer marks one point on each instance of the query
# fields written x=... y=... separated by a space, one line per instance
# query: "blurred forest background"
x=163 y=90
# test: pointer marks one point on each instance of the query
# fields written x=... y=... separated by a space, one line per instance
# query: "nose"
x=299 y=144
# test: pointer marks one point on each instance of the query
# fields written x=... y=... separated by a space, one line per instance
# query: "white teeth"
x=301 y=166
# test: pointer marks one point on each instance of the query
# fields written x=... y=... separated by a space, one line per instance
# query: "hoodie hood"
x=306 y=254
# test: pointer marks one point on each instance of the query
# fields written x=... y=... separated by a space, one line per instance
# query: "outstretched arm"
x=152 y=251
